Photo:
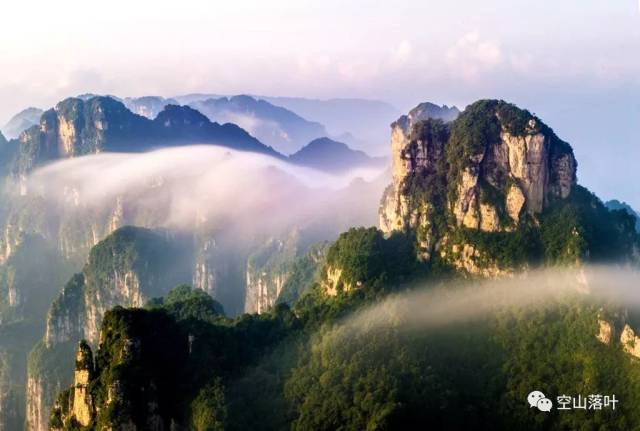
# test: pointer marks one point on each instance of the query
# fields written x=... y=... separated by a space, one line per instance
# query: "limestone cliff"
x=10 y=397
x=268 y=268
x=127 y=268
x=617 y=329
x=132 y=384
x=494 y=168
x=83 y=407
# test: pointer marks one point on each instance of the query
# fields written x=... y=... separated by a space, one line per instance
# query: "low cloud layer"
x=213 y=187
x=432 y=307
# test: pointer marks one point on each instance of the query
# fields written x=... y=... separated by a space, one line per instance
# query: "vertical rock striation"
x=127 y=268
x=493 y=168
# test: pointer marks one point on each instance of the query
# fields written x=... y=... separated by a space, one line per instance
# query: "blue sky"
x=574 y=63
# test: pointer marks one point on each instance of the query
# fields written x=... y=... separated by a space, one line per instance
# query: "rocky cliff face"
x=492 y=169
x=616 y=329
x=127 y=268
x=76 y=127
x=9 y=399
x=126 y=387
x=83 y=406
x=268 y=268
x=44 y=382
x=262 y=290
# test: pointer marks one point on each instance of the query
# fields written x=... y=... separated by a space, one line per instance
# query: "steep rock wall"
x=492 y=169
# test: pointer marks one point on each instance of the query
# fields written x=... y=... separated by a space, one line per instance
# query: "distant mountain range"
x=281 y=121
x=90 y=124
x=284 y=123
x=273 y=125
x=77 y=127
x=361 y=123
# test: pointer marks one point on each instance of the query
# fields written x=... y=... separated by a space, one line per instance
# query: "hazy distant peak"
x=428 y=110
x=173 y=115
x=21 y=122
x=278 y=127
x=333 y=156
x=148 y=106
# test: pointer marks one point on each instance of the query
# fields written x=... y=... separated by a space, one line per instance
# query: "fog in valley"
x=196 y=186
x=436 y=305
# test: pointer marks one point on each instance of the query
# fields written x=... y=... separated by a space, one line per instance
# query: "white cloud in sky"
x=472 y=55
x=403 y=52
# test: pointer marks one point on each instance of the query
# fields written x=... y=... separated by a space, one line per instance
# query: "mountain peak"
x=329 y=155
x=176 y=115
x=79 y=126
x=148 y=106
x=273 y=125
x=492 y=169
x=21 y=122
x=428 y=110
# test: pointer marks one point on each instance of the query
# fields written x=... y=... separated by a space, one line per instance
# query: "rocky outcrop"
x=491 y=169
x=606 y=331
x=127 y=268
x=467 y=258
x=332 y=283
x=262 y=290
x=206 y=275
x=135 y=386
x=417 y=149
x=41 y=393
x=614 y=329
x=36 y=405
x=83 y=406
x=630 y=341
x=268 y=269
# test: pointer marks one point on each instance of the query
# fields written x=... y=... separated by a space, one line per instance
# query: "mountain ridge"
x=77 y=127
x=333 y=156
x=21 y=121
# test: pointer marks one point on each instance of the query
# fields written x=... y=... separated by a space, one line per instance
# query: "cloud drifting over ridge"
x=186 y=187
x=432 y=307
